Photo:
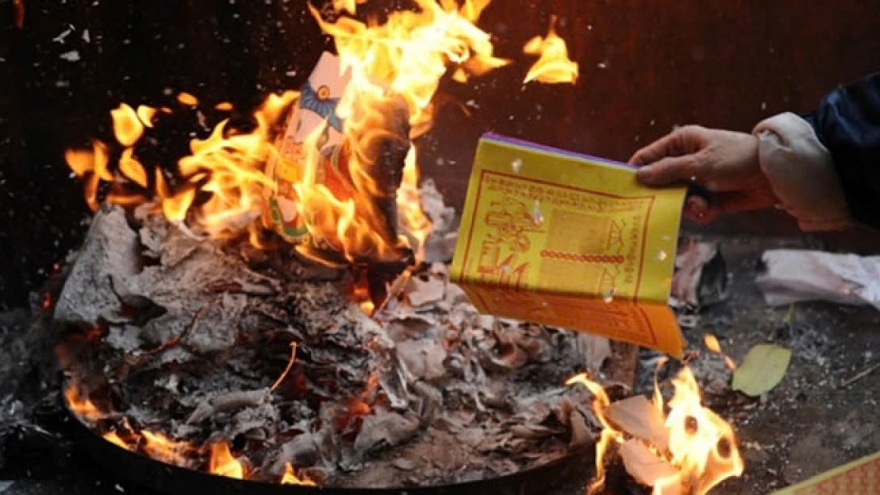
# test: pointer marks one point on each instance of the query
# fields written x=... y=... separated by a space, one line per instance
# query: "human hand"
x=724 y=163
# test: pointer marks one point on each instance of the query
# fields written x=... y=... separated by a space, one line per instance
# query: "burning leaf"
x=645 y=466
x=553 y=65
x=761 y=370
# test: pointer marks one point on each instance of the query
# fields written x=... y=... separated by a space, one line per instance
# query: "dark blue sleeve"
x=847 y=122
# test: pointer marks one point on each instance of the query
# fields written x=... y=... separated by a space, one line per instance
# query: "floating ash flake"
x=71 y=56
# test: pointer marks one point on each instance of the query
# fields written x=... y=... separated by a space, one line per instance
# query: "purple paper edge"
x=542 y=147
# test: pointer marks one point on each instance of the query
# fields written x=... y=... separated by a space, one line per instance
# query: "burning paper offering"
x=569 y=240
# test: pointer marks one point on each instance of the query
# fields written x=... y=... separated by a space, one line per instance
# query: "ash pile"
x=174 y=345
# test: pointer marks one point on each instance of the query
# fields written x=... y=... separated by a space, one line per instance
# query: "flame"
x=227 y=166
x=712 y=344
x=84 y=408
x=702 y=446
x=223 y=463
x=608 y=435
x=395 y=69
x=553 y=64
x=113 y=438
x=162 y=448
x=290 y=477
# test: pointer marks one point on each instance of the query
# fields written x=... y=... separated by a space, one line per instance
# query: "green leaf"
x=761 y=370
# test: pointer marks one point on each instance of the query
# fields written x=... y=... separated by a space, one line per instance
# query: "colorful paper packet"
x=317 y=104
x=569 y=240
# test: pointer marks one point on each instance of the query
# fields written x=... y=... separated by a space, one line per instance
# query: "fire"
x=702 y=446
x=164 y=449
x=711 y=343
x=115 y=439
x=82 y=406
x=227 y=165
x=608 y=435
x=223 y=463
x=290 y=477
x=395 y=68
x=553 y=64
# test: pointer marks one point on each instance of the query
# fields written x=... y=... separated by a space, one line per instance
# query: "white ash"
x=427 y=392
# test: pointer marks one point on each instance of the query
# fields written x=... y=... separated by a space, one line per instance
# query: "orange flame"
x=395 y=69
x=228 y=165
x=712 y=344
x=553 y=64
x=162 y=448
x=84 y=408
x=702 y=446
x=113 y=438
x=223 y=463
x=608 y=435
x=290 y=477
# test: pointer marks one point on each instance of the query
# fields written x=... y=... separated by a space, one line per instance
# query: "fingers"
x=680 y=142
x=668 y=171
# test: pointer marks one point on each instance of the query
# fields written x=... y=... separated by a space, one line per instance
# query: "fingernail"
x=644 y=173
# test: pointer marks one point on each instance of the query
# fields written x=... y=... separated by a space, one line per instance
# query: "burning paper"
x=315 y=109
x=571 y=241
x=679 y=447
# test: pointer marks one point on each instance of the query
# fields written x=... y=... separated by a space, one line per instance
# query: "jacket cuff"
x=802 y=174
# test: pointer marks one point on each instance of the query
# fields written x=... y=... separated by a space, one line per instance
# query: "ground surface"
x=808 y=424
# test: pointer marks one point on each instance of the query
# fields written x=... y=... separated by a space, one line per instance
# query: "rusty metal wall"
x=645 y=66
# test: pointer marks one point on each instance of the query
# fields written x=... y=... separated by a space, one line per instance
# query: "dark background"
x=645 y=67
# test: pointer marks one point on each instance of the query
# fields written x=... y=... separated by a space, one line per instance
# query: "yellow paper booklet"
x=861 y=476
x=569 y=240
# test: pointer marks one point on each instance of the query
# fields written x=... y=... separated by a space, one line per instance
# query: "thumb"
x=668 y=171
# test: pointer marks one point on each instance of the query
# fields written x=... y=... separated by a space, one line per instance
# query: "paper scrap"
x=761 y=370
x=802 y=275
x=645 y=467
x=637 y=416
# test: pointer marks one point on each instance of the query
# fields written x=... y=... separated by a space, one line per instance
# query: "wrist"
x=801 y=173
